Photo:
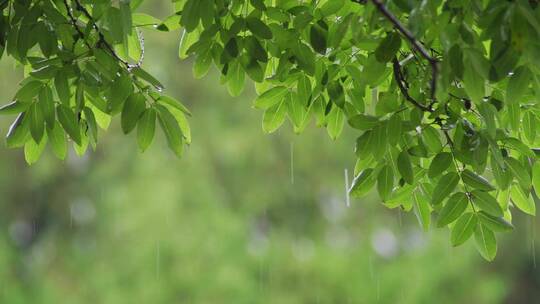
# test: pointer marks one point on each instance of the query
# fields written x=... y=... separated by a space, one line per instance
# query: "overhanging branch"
x=104 y=42
x=415 y=43
x=398 y=76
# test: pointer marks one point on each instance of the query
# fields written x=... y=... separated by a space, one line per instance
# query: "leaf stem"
x=417 y=45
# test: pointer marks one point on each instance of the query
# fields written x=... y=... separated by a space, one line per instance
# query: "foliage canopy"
x=443 y=93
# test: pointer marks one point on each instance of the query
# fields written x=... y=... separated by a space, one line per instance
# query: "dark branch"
x=103 y=41
x=416 y=44
x=398 y=76
x=74 y=23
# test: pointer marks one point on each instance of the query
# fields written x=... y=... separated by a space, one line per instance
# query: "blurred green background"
x=243 y=217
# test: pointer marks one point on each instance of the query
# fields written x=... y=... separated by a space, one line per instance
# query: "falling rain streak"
x=292 y=162
x=533 y=240
x=157 y=259
x=347 y=197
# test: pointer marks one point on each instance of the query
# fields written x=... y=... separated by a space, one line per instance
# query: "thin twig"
x=417 y=45
x=398 y=76
x=140 y=37
x=104 y=42
x=74 y=23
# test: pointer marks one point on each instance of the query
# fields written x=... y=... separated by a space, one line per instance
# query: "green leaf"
x=486 y=202
x=318 y=39
x=439 y=164
x=168 y=100
x=253 y=68
x=517 y=85
x=255 y=49
x=518 y=145
x=69 y=122
x=270 y=97
x=363 y=122
x=452 y=210
x=29 y=90
x=522 y=201
x=486 y=243
x=139 y=72
x=258 y=4
x=332 y=7
x=134 y=106
x=37 y=124
x=405 y=167
x=474 y=84
x=146 y=128
x=171 y=129
x=401 y=197
x=447 y=183
x=432 y=139
x=519 y=172
x=476 y=181
x=182 y=122
x=14 y=107
x=305 y=58
x=385 y=182
x=304 y=90
x=422 y=209
x=337 y=33
x=362 y=183
x=377 y=141
x=536 y=177
x=258 y=28
x=33 y=150
x=488 y=112
x=514 y=115
x=394 y=129
x=121 y=89
x=296 y=111
x=202 y=65
x=145 y=20
x=80 y=149
x=497 y=224
x=375 y=72
x=62 y=87
x=529 y=126
x=388 y=47
x=18 y=132
x=274 y=116
x=463 y=229
x=191 y=14
x=235 y=79
x=46 y=104
x=335 y=122
x=57 y=138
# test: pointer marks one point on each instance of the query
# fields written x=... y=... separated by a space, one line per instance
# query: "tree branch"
x=416 y=44
x=398 y=76
x=74 y=23
x=104 y=42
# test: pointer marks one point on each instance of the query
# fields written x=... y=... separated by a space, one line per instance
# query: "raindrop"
x=371 y=272
x=533 y=240
x=292 y=162
x=347 y=198
x=157 y=259
x=378 y=289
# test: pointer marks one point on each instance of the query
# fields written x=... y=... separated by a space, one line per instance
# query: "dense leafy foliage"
x=442 y=93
